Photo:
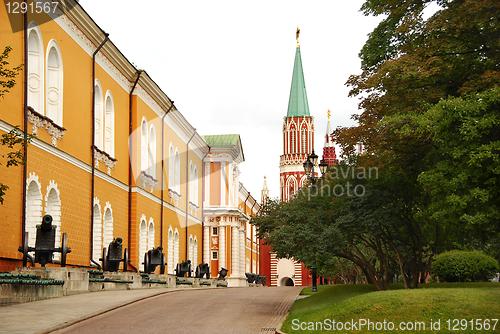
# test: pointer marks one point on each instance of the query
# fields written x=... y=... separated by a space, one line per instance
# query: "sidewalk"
x=47 y=315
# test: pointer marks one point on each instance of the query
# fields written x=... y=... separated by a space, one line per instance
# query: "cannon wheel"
x=104 y=260
x=162 y=265
x=125 y=260
x=146 y=263
x=64 y=249
x=25 y=249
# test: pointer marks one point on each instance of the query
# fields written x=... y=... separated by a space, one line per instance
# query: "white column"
x=223 y=181
x=235 y=251
x=206 y=244
x=242 y=251
x=222 y=247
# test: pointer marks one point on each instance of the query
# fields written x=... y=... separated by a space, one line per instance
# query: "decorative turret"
x=298 y=133
x=329 y=155
x=264 y=193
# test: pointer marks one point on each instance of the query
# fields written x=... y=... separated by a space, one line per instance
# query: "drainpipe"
x=25 y=151
x=203 y=206
x=163 y=168
x=92 y=187
x=187 y=192
x=130 y=168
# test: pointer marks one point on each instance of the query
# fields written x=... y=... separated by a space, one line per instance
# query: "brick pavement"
x=230 y=310
x=233 y=310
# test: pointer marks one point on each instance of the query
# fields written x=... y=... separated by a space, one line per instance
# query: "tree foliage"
x=429 y=123
x=7 y=76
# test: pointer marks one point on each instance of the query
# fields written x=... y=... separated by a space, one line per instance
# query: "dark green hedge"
x=460 y=266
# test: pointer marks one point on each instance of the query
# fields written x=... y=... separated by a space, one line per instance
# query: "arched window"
x=195 y=185
x=144 y=145
x=151 y=234
x=143 y=240
x=54 y=102
x=171 y=167
x=292 y=140
x=170 y=251
x=35 y=68
x=291 y=187
x=176 y=248
x=191 y=250
x=195 y=252
x=152 y=152
x=53 y=208
x=304 y=141
x=97 y=233
x=191 y=182
x=98 y=115
x=109 y=123
x=177 y=172
x=107 y=228
x=34 y=208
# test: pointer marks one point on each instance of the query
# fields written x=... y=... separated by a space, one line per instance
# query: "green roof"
x=221 y=140
x=298 y=105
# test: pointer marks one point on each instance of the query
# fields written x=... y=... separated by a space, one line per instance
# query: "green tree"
x=15 y=137
x=423 y=115
x=367 y=220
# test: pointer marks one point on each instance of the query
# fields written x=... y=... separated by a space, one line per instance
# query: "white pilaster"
x=222 y=247
x=242 y=251
x=235 y=251
x=206 y=244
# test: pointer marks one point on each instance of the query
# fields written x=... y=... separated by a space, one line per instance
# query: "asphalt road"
x=231 y=310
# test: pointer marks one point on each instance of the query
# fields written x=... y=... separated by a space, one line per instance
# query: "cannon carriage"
x=112 y=256
x=260 y=280
x=202 y=270
x=152 y=258
x=45 y=245
x=183 y=268
x=252 y=278
x=222 y=274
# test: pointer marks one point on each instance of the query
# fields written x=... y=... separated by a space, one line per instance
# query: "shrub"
x=460 y=266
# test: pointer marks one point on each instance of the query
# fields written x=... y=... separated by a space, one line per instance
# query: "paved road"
x=232 y=310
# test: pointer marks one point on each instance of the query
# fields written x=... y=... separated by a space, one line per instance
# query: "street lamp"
x=311 y=161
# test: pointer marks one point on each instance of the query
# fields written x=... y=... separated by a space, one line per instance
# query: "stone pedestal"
x=76 y=280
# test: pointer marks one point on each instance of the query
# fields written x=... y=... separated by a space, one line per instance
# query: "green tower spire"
x=298 y=105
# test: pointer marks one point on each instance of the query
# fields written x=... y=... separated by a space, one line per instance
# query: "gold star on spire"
x=298 y=33
x=329 y=114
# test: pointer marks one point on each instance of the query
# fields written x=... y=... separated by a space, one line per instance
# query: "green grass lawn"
x=456 y=307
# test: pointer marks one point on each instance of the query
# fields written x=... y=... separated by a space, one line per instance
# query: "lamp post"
x=311 y=161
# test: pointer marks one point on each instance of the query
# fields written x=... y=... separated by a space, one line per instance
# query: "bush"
x=460 y=266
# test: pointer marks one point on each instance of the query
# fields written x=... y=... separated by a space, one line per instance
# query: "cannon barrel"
x=117 y=242
x=47 y=223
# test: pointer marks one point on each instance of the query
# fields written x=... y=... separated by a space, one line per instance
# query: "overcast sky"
x=228 y=65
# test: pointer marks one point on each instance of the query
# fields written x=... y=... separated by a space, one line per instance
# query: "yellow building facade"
x=112 y=157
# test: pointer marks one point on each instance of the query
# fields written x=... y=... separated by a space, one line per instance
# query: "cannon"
x=260 y=280
x=45 y=245
x=152 y=258
x=251 y=278
x=112 y=257
x=202 y=270
x=183 y=268
x=222 y=274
